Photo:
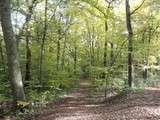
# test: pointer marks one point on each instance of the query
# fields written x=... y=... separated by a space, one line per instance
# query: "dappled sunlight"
x=153 y=89
x=93 y=105
x=153 y=110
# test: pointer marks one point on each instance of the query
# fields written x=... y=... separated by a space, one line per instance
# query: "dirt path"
x=82 y=105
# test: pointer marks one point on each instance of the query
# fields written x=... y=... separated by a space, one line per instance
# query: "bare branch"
x=138 y=7
x=54 y=10
x=20 y=10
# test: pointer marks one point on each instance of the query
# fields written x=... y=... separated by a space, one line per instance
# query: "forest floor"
x=84 y=104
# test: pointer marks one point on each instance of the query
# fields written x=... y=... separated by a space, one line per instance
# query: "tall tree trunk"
x=42 y=44
x=130 y=39
x=105 y=45
x=12 y=53
x=105 y=57
x=28 y=57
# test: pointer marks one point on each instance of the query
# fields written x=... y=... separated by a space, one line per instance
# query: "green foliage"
x=98 y=72
x=106 y=78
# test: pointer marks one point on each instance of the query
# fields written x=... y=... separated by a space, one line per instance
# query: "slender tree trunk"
x=42 y=45
x=105 y=45
x=12 y=53
x=75 y=59
x=112 y=53
x=92 y=52
x=105 y=57
x=130 y=39
x=28 y=57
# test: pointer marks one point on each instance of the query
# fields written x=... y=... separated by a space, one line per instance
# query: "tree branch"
x=28 y=16
x=96 y=7
x=138 y=7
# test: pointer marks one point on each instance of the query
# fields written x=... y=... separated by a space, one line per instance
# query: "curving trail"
x=84 y=104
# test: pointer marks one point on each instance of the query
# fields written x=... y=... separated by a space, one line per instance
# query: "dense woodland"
x=47 y=47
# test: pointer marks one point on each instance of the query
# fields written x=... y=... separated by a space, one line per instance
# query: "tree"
x=28 y=42
x=43 y=44
x=130 y=38
x=12 y=53
x=105 y=44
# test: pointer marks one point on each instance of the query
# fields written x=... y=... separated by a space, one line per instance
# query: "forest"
x=79 y=60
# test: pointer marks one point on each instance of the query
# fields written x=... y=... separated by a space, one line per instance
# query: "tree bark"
x=12 y=53
x=130 y=39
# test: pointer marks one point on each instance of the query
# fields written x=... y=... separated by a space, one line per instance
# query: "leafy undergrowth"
x=37 y=99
